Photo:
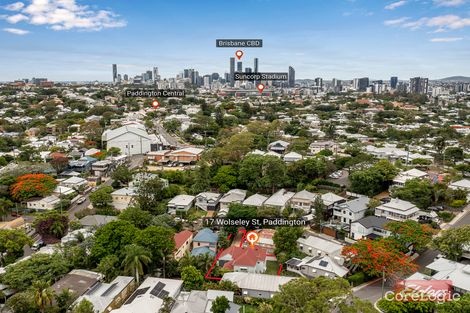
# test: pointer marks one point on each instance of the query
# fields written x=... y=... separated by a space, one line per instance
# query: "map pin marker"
x=239 y=54
x=260 y=87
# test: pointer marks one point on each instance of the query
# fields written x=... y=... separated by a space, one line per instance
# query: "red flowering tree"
x=379 y=257
x=32 y=185
x=411 y=232
x=51 y=226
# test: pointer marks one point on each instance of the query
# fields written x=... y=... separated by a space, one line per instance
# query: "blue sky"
x=79 y=40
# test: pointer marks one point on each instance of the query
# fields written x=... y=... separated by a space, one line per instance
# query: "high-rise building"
x=239 y=67
x=256 y=65
x=215 y=76
x=291 y=77
x=393 y=82
x=149 y=75
x=232 y=71
x=155 y=74
x=419 y=85
x=319 y=82
x=336 y=85
x=248 y=70
x=361 y=84
x=114 y=73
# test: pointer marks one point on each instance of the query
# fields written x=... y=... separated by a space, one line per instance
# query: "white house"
x=330 y=199
x=232 y=196
x=303 y=200
x=180 y=203
x=350 y=211
x=462 y=184
x=317 y=146
x=74 y=182
x=292 y=157
x=318 y=246
x=131 y=139
x=257 y=285
x=315 y=266
x=255 y=200
x=370 y=227
x=123 y=197
x=403 y=177
x=279 y=200
x=47 y=203
x=397 y=210
x=208 y=201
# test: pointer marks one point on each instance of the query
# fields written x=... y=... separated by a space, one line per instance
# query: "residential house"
x=46 y=203
x=278 y=146
x=141 y=177
x=198 y=301
x=397 y=210
x=96 y=221
x=279 y=200
x=78 y=282
x=208 y=201
x=183 y=241
x=369 y=227
x=243 y=259
x=350 y=211
x=292 y=157
x=463 y=184
x=102 y=168
x=76 y=183
x=317 y=146
x=232 y=196
x=444 y=269
x=255 y=200
x=319 y=246
x=150 y=295
x=180 y=203
x=315 y=266
x=303 y=200
x=130 y=139
x=330 y=199
x=266 y=242
x=403 y=177
x=60 y=191
x=205 y=241
x=257 y=285
x=81 y=165
x=123 y=197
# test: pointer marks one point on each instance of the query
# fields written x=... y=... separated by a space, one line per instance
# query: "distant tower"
x=239 y=67
x=115 y=73
x=232 y=71
x=155 y=74
x=256 y=65
x=393 y=82
x=291 y=81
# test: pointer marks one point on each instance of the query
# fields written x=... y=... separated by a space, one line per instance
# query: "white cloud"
x=394 y=5
x=449 y=3
x=396 y=22
x=14 y=6
x=16 y=31
x=66 y=15
x=446 y=39
x=441 y=23
x=13 y=19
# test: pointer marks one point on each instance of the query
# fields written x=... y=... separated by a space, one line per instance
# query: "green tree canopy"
x=451 y=242
x=220 y=305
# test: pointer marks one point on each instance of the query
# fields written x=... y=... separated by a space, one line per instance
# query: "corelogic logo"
x=421 y=290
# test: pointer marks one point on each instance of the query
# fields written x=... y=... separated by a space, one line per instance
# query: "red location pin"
x=155 y=104
x=239 y=54
x=260 y=87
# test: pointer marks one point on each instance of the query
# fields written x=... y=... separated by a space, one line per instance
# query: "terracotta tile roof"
x=181 y=237
x=244 y=256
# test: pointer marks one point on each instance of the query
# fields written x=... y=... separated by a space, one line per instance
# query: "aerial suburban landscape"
x=234 y=173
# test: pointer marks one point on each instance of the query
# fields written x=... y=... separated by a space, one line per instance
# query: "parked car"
x=81 y=200
x=37 y=245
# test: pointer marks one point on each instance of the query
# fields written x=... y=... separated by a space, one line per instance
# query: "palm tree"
x=135 y=258
x=43 y=295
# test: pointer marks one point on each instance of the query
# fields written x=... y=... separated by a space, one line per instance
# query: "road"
x=159 y=129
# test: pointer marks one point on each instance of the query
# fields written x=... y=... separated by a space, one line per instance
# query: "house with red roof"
x=183 y=241
x=243 y=259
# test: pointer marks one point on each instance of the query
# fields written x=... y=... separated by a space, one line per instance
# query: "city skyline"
x=345 y=39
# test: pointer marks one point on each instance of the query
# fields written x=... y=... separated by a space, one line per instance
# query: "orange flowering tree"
x=32 y=185
x=411 y=232
x=377 y=257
